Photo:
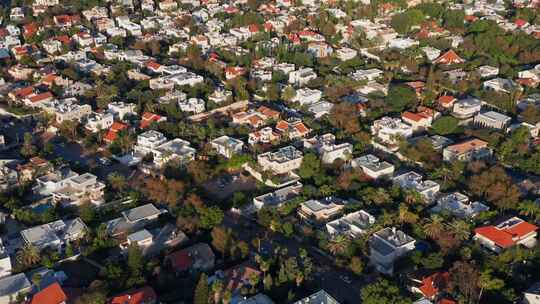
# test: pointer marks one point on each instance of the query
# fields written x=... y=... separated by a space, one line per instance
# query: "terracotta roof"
x=446 y=100
x=268 y=112
x=23 y=92
x=467 y=146
x=507 y=236
x=148 y=118
x=139 y=296
x=412 y=116
x=282 y=125
x=449 y=57
x=431 y=285
x=446 y=301
x=52 y=294
x=153 y=65
x=63 y=38
x=40 y=97
x=520 y=22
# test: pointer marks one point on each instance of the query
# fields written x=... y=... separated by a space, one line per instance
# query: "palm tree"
x=405 y=216
x=434 y=227
x=28 y=256
x=338 y=244
x=461 y=229
x=530 y=209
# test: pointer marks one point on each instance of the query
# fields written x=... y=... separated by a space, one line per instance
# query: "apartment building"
x=325 y=145
x=148 y=141
x=96 y=122
x=70 y=111
x=306 y=96
x=373 y=167
x=302 y=76
x=177 y=150
x=277 y=198
x=473 y=149
x=80 y=189
x=387 y=246
x=388 y=129
x=509 y=233
x=282 y=161
x=353 y=224
x=466 y=108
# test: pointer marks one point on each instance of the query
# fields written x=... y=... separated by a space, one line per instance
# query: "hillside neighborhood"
x=269 y=151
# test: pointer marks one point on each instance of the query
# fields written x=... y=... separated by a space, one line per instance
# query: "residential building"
x=509 y=233
x=306 y=96
x=466 y=108
x=263 y=136
x=302 y=76
x=345 y=53
x=501 y=85
x=487 y=71
x=142 y=238
x=96 y=122
x=532 y=295
x=473 y=149
x=227 y=146
x=53 y=181
x=177 y=150
x=373 y=167
x=449 y=58
x=198 y=257
x=429 y=286
x=148 y=141
x=387 y=246
x=320 y=297
x=353 y=224
x=192 y=105
x=319 y=49
x=12 y=287
x=421 y=119
x=278 y=197
x=133 y=220
x=52 y=294
x=282 y=161
x=492 y=119
x=257 y=299
x=55 y=235
x=414 y=181
x=459 y=205
x=369 y=74
x=80 y=189
x=325 y=145
x=144 y=295
x=70 y=111
x=121 y=109
x=292 y=128
x=321 y=210
x=148 y=118
x=389 y=130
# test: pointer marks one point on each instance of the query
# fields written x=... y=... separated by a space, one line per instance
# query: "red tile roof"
x=41 y=97
x=507 y=236
x=148 y=118
x=52 y=294
x=431 y=285
x=449 y=58
x=139 y=296
x=446 y=100
x=180 y=260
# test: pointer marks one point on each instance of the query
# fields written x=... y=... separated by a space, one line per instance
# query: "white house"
x=506 y=234
x=466 y=108
x=227 y=146
x=325 y=145
x=414 y=181
x=306 y=96
x=96 y=122
x=492 y=119
x=388 y=129
x=459 y=205
x=302 y=76
x=373 y=167
x=387 y=246
x=353 y=224
x=55 y=235
x=282 y=161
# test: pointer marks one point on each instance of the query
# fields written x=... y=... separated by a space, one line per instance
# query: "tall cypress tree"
x=201 y=291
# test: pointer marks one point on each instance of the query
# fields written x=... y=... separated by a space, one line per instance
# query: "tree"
x=530 y=209
x=210 y=217
x=28 y=255
x=117 y=181
x=68 y=129
x=464 y=280
x=288 y=93
x=400 y=98
x=445 y=125
x=338 y=244
x=201 y=291
x=135 y=265
x=382 y=292
x=434 y=227
x=403 y=22
x=461 y=229
x=496 y=186
x=357 y=266
x=311 y=165
x=221 y=239
x=28 y=149
x=105 y=94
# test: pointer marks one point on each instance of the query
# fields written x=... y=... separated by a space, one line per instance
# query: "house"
x=353 y=224
x=320 y=108
x=52 y=294
x=387 y=246
x=501 y=85
x=532 y=295
x=325 y=145
x=144 y=295
x=148 y=118
x=320 y=297
x=473 y=149
x=466 y=108
x=509 y=233
x=278 y=197
x=373 y=167
x=12 y=287
x=282 y=161
x=175 y=150
x=53 y=181
x=96 y=122
x=306 y=96
x=198 y=257
x=487 y=71
x=389 y=130
x=257 y=299
x=236 y=278
x=55 y=235
x=459 y=205
x=446 y=101
x=449 y=58
x=492 y=119
x=133 y=220
x=292 y=128
x=192 y=105
x=80 y=189
x=319 y=49
x=321 y=210
x=148 y=141
x=346 y=53
x=121 y=109
x=302 y=76
x=420 y=120
x=431 y=52
x=68 y=111
x=227 y=146
x=369 y=74
x=142 y=238
x=263 y=136
x=414 y=181
x=429 y=286
x=113 y=132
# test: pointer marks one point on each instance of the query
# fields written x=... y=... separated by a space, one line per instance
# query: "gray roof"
x=140 y=213
x=140 y=235
x=320 y=297
x=14 y=284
